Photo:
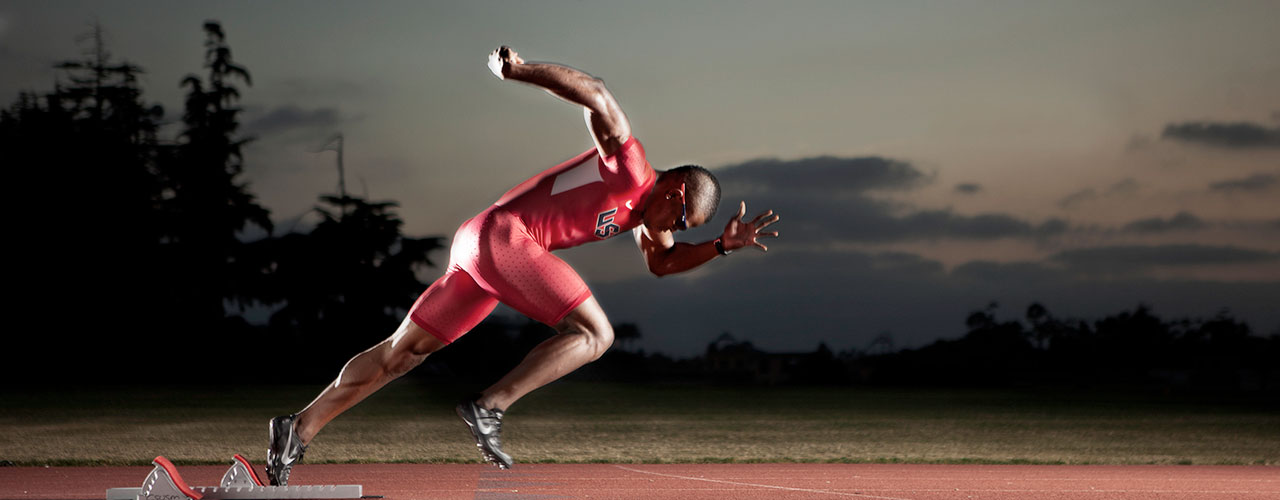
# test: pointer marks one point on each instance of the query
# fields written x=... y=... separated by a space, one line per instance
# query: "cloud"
x=867 y=222
x=1133 y=259
x=1182 y=221
x=1235 y=135
x=968 y=188
x=1124 y=187
x=287 y=119
x=826 y=175
x=931 y=224
x=1078 y=197
x=828 y=199
x=1137 y=143
x=1251 y=184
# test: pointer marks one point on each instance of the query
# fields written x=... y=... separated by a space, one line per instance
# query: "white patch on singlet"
x=579 y=175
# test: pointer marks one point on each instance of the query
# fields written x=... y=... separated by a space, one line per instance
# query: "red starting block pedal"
x=239 y=483
x=240 y=474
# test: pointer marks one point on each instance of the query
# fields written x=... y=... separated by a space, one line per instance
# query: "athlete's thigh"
x=522 y=274
x=452 y=306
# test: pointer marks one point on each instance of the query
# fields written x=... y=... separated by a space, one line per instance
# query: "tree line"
x=1131 y=348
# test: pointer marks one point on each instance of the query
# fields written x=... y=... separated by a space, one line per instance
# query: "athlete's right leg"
x=584 y=335
x=513 y=267
x=367 y=372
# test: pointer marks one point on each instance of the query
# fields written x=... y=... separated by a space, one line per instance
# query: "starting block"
x=239 y=483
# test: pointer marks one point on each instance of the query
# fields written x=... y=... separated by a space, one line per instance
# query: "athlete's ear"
x=670 y=185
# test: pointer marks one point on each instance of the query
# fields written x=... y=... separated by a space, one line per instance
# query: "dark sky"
x=927 y=157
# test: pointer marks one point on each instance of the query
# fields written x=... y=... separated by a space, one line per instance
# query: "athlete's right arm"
x=606 y=121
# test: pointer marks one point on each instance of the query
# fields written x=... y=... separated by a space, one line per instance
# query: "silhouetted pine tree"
x=349 y=282
x=207 y=204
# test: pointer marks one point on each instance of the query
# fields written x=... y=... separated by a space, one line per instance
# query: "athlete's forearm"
x=684 y=256
x=564 y=82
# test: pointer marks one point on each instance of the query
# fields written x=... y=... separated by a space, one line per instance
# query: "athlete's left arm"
x=664 y=255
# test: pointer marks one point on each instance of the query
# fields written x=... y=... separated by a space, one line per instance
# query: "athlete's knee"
x=601 y=339
x=596 y=336
x=397 y=362
x=590 y=323
x=407 y=348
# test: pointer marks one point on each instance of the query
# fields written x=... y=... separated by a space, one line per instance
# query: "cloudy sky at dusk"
x=926 y=157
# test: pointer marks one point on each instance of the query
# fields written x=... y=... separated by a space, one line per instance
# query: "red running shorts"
x=494 y=259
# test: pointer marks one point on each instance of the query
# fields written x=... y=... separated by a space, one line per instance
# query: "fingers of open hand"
x=755 y=238
x=765 y=219
x=751 y=237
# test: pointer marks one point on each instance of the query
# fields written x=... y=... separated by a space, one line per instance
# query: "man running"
x=504 y=255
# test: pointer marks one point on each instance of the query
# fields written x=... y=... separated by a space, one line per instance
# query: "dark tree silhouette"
x=206 y=203
x=82 y=161
x=347 y=283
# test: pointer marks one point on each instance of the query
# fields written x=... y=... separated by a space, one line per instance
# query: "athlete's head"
x=689 y=190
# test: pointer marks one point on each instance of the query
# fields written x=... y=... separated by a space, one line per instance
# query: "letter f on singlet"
x=604 y=224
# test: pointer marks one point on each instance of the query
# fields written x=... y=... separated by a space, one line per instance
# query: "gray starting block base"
x=239 y=483
x=244 y=493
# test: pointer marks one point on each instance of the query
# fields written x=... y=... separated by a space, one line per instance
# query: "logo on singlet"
x=604 y=224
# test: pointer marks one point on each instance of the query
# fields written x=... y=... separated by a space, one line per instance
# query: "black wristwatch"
x=720 y=247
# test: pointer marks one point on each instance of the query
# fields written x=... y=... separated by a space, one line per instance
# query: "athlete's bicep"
x=608 y=124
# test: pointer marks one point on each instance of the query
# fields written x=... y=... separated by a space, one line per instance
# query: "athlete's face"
x=669 y=208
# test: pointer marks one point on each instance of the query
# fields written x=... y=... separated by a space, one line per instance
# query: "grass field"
x=410 y=421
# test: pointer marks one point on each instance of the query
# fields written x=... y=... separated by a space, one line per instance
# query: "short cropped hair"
x=702 y=189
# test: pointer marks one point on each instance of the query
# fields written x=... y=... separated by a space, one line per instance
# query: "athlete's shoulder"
x=629 y=159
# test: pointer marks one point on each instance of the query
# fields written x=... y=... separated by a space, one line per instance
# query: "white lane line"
x=805 y=490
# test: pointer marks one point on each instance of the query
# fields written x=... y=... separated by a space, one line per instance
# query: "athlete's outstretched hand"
x=501 y=60
x=740 y=233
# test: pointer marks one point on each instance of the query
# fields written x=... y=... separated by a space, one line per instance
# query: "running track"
x=715 y=481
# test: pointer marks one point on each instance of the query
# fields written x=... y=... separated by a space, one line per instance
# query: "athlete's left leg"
x=584 y=335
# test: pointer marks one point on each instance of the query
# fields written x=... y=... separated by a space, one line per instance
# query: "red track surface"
x=749 y=481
